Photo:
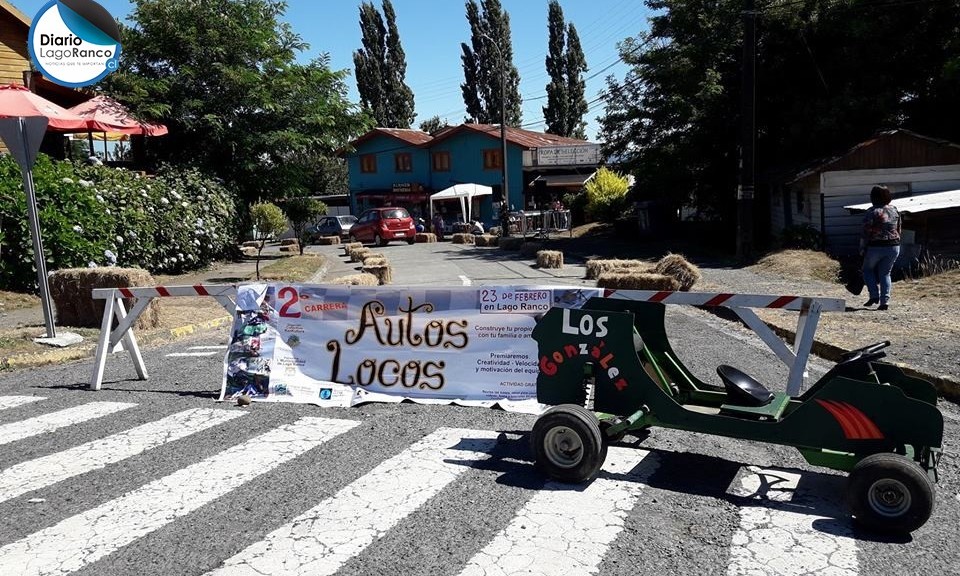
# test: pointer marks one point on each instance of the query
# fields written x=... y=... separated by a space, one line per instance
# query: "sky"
x=431 y=32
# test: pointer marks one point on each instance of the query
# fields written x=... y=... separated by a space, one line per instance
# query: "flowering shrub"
x=100 y=216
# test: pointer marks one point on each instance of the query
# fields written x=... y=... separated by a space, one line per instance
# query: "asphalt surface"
x=390 y=489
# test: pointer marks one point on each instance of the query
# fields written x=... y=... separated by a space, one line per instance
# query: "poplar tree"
x=566 y=101
x=381 y=68
x=487 y=62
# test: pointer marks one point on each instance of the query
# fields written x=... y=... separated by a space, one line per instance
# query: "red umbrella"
x=104 y=114
x=17 y=101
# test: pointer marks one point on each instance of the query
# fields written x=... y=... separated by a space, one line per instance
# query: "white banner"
x=342 y=345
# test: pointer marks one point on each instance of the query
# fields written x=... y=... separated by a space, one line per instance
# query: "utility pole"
x=505 y=203
x=745 y=190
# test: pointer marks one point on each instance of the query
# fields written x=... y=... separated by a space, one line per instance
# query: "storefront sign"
x=587 y=154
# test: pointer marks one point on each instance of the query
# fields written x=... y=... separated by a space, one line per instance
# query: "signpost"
x=22 y=136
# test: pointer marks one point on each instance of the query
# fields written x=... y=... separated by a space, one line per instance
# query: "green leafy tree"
x=829 y=75
x=301 y=212
x=433 y=125
x=381 y=68
x=487 y=63
x=577 y=106
x=268 y=221
x=606 y=195
x=555 y=112
x=223 y=76
x=566 y=103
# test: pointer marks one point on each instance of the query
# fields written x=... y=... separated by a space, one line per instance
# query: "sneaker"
x=870 y=302
x=883 y=307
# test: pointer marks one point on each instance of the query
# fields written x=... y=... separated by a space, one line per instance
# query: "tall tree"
x=487 y=63
x=555 y=112
x=381 y=68
x=566 y=101
x=223 y=76
x=577 y=106
x=433 y=125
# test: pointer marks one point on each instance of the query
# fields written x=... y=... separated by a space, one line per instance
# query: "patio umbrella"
x=107 y=116
x=17 y=101
x=24 y=117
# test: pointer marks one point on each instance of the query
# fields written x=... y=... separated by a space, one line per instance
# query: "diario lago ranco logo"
x=74 y=42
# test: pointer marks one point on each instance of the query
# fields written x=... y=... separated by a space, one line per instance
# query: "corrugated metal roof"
x=919 y=203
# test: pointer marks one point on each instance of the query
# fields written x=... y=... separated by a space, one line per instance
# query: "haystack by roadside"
x=362 y=279
x=425 y=237
x=484 y=240
x=550 y=259
x=597 y=266
x=678 y=267
x=464 y=238
x=328 y=240
x=637 y=281
x=71 y=288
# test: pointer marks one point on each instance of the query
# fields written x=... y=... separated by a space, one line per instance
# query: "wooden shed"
x=909 y=164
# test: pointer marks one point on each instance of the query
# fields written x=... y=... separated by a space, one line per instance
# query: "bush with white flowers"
x=168 y=223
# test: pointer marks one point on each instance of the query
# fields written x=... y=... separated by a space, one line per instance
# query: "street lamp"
x=505 y=201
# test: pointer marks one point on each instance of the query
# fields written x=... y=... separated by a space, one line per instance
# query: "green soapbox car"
x=607 y=369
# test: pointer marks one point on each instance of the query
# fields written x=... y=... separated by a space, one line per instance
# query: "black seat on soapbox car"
x=742 y=389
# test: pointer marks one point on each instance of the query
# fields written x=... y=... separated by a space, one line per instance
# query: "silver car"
x=332 y=226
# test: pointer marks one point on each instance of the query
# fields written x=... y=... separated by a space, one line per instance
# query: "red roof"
x=518 y=136
x=410 y=136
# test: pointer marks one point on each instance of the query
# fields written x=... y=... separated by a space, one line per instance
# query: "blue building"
x=403 y=167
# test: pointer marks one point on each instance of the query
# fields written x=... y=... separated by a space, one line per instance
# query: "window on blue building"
x=491 y=159
x=402 y=162
x=441 y=161
x=368 y=163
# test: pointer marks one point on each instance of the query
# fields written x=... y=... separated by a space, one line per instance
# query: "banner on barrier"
x=342 y=345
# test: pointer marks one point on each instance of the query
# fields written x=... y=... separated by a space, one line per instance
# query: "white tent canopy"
x=463 y=192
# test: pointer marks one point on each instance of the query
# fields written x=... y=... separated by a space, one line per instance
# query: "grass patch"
x=17 y=300
x=293 y=268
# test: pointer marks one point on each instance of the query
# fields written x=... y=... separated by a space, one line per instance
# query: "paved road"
x=155 y=478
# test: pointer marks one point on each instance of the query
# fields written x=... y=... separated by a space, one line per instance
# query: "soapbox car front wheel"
x=567 y=444
x=890 y=493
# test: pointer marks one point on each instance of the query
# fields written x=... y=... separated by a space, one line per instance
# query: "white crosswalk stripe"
x=774 y=541
x=15 y=431
x=191 y=354
x=540 y=528
x=14 y=401
x=79 y=540
x=49 y=470
x=322 y=539
x=564 y=531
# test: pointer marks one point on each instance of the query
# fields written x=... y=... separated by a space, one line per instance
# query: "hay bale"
x=464 y=238
x=485 y=240
x=351 y=246
x=493 y=230
x=362 y=279
x=358 y=254
x=289 y=242
x=550 y=259
x=70 y=290
x=383 y=272
x=290 y=249
x=637 y=281
x=676 y=265
x=248 y=251
x=328 y=240
x=375 y=260
x=596 y=267
x=425 y=237
x=510 y=242
x=372 y=255
x=251 y=244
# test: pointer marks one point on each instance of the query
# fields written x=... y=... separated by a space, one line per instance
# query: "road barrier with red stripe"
x=741 y=304
x=112 y=337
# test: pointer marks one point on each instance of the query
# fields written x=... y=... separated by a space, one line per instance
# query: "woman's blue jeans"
x=877 y=264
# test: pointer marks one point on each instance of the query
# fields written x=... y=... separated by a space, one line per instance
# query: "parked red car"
x=381 y=225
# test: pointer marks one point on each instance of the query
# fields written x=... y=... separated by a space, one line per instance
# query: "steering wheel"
x=870 y=350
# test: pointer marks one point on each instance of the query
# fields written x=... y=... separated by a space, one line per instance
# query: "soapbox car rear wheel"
x=567 y=444
x=890 y=493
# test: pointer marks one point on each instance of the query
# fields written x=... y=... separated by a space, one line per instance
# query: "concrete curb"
x=948 y=388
